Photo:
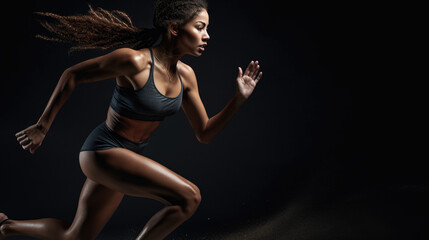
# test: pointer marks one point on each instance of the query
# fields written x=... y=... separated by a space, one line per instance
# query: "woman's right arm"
x=123 y=61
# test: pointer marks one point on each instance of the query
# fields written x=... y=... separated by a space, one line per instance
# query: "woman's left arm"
x=206 y=128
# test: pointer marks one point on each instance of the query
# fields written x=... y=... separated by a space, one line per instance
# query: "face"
x=193 y=36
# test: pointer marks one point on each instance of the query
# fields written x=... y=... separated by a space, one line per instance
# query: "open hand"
x=31 y=138
x=247 y=82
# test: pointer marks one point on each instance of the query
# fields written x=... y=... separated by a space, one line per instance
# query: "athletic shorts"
x=102 y=138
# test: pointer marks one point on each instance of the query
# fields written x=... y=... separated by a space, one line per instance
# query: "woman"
x=152 y=83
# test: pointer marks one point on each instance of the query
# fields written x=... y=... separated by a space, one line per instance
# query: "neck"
x=168 y=54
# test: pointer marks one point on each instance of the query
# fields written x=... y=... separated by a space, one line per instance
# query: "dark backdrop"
x=331 y=145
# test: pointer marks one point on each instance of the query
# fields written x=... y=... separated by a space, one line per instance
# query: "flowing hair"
x=104 y=29
x=98 y=29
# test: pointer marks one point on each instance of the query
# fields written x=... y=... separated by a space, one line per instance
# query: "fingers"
x=26 y=147
x=20 y=138
x=248 y=68
x=252 y=69
x=30 y=138
x=258 y=78
x=240 y=72
x=25 y=142
x=255 y=70
x=19 y=134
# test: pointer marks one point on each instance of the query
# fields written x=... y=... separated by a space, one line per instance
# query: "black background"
x=331 y=145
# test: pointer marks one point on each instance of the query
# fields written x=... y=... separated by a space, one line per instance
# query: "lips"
x=201 y=47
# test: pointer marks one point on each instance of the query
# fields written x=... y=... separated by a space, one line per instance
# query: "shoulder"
x=188 y=75
x=129 y=59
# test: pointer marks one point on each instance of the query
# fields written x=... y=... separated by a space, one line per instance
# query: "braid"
x=99 y=29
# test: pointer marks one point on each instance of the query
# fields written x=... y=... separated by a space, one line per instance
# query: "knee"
x=191 y=201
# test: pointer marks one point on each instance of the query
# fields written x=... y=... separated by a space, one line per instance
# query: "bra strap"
x=151 y=68
x=151 y=54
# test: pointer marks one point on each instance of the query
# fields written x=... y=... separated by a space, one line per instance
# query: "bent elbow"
x=203 y=139
x=69 y=78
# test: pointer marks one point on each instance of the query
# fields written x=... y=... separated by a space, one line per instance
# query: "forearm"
x=216 y=123
x=62 y=91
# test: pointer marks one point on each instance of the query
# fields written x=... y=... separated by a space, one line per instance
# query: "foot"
x=3 y=217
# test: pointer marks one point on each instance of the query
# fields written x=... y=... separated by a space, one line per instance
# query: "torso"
x=138 y=130
x=134 y=130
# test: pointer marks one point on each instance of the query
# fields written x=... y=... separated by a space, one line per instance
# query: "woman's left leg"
x=96 y=205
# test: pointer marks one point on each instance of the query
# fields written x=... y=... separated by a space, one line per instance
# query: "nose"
x=206 y=36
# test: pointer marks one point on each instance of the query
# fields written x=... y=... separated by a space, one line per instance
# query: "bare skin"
x=117 y=171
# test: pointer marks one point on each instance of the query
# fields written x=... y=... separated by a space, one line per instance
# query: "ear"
x=173 y=28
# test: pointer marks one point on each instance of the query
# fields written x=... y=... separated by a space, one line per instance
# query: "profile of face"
x=193 y=36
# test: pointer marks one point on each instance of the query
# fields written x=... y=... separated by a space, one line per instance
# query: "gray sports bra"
x=146 y=103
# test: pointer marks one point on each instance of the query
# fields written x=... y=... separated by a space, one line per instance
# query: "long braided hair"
x=104 y=29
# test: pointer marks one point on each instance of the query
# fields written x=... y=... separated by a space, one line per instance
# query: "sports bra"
x=146 y=103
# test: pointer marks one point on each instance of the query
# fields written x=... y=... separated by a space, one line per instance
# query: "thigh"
x=96 y=205
x=136 y=175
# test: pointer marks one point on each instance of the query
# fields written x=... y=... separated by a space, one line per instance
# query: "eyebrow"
x=202 y=22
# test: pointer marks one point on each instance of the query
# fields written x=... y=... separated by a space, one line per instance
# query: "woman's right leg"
x=133 y=174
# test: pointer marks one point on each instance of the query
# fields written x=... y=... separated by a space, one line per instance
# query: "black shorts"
x=102 y=138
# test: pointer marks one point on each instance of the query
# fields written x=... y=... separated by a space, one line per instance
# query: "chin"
x=196 y=54
x=199 y=53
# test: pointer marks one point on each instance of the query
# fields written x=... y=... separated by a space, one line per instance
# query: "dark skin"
x=114 y=172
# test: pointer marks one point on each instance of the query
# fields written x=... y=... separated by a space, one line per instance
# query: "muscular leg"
x=96 y=205
x=136 y=175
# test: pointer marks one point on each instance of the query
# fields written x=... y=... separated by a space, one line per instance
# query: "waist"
x=131 y=129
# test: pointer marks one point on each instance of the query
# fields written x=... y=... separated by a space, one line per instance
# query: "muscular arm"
x=206 y=128
x=119 y=62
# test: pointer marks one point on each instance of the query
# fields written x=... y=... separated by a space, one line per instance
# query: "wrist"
x=239 y=98
x=42 y=128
